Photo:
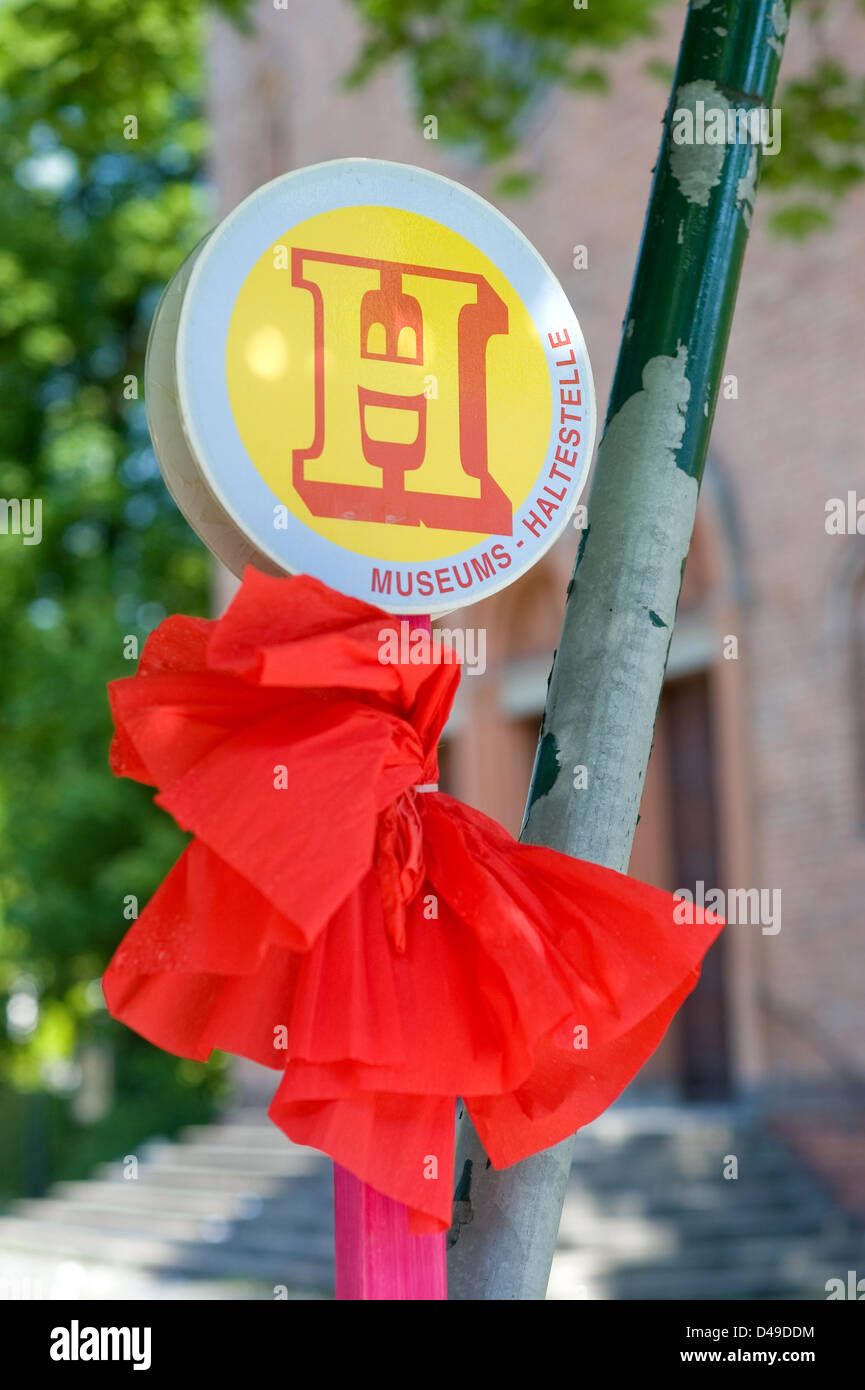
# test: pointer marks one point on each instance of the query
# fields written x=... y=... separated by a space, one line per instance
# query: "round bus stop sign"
x=367 y=374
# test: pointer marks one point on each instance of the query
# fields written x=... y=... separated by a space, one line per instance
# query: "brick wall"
x=791 y=440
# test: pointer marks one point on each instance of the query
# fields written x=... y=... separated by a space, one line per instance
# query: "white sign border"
x=265 y=217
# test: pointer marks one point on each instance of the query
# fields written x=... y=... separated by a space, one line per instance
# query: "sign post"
x=368 y=375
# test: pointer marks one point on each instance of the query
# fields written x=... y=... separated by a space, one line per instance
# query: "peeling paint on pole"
x=642 y=508
x=746 y=189
x=697 y=165
x=547 y=767
x=780 y=23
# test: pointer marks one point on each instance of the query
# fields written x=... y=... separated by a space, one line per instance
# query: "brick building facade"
x=758 y=773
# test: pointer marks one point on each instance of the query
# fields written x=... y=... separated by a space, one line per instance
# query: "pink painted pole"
x=375 y=1255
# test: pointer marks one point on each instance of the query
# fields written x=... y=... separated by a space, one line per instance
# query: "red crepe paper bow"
x=386 y=949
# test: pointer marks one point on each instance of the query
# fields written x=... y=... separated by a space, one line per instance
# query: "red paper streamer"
x=386 y=950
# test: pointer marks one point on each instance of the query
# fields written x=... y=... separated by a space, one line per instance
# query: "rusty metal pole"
x=609 y=667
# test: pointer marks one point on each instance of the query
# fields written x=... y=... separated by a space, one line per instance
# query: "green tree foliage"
x=100 y=143
x=483 y=66
x=824 y=143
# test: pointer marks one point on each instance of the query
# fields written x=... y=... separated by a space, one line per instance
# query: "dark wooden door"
x=703 y=1021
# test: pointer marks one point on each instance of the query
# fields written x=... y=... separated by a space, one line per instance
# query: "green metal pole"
x=608 y=671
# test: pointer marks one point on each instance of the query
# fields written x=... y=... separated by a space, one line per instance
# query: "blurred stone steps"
x=260 y=1233
x=702 y=1193
x=649 y=1214
x=705 y=1228
x=148 y=1197
x=767 y=1280
x=236 y=1207
x=161 y=1224
x=244 y=1159
x=233 y=1201
x=633 y=1249
x=299 y=1262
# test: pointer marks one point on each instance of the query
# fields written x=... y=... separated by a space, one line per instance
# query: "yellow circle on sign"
x=388 y=383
